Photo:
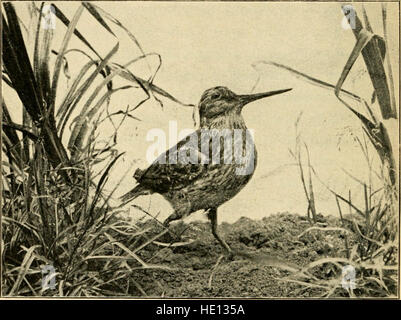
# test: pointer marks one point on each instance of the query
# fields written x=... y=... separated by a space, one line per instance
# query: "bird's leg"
x=212 y=215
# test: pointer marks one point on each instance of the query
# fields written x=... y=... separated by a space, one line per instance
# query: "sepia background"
x=60 y=191
x=206 y=44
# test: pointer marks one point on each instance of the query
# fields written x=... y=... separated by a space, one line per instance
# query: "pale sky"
x=208 y=44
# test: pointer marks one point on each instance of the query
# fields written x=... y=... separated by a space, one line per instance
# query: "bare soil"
x=269 y=250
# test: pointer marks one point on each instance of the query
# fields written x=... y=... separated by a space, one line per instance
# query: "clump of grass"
x=370 y=232
x=371 y=249
x=56 y=212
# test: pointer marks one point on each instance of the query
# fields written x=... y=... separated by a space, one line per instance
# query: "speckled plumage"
x=190 y=187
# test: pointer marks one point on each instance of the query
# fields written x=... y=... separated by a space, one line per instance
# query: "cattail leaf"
x=23 y=269
x=103 y=180
x=96 y=10
x=82 y=134
x=17 y=64
x=67 y=107
x=147 y=86
x=389 y=69
x=41 y=58
x=60 y=15
x=77 y=137
x=59 y=59
x=66 y=69
x=362 y=40
x=81 y=118
x=92 y=10
x=6 y=79
x=372 y=55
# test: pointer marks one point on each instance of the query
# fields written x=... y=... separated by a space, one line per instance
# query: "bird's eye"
x=215 y=96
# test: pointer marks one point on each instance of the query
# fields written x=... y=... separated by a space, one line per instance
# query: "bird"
x=200 y=173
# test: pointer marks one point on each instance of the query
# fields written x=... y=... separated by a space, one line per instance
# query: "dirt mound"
x=268 y=250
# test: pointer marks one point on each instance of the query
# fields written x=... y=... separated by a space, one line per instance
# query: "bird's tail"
x=134 y=193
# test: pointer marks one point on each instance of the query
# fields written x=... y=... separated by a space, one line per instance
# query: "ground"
x=269 y=250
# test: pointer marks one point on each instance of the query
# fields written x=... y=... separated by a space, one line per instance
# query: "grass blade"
x=363 y=38
x=372 y=56
x=60 y=56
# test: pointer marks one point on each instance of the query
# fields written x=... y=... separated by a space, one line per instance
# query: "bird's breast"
x=230 y=142
x=232 y=158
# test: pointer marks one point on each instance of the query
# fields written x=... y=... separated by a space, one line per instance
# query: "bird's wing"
x=176 y=168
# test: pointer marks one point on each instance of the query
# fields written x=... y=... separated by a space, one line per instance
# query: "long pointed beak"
x=247 y=98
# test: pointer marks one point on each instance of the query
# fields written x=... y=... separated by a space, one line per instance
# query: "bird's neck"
x=225 y=121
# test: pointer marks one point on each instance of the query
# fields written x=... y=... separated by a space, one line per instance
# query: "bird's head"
x=219 y=101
